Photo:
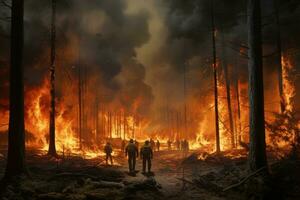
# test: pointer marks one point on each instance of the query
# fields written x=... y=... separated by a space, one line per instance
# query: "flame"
x=288 y=83
x=4 y=120
x=201 y=136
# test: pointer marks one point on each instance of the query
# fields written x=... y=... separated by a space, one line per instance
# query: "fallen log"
x=244 y=179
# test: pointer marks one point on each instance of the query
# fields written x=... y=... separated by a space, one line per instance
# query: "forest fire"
x=116 y=125
x=152 y=100
x=37 y=121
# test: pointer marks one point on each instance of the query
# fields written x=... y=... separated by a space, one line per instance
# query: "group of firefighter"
x=182 y=145
x=132 y=151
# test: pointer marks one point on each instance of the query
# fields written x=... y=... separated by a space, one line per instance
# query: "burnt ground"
x=175 y=177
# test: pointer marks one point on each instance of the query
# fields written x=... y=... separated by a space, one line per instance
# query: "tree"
x=279 y=57
x=52 y=148
x=16 y=164
x=237 y=91
x=257 y=152
x=228 y=94
x=218 y=149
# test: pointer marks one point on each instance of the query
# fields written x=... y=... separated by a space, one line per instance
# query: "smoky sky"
x=113 y=40
x=107 y=38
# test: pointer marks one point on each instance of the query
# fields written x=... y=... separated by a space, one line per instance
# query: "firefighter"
x=182 y=145
x=108 y=150
x=157 y=145
x=187 y=145
x=146 y=154
x=132 y=153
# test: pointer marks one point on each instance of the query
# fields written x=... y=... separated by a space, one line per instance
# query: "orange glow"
x=288 y=83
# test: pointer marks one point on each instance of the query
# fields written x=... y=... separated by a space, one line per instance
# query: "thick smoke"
x=97 y=35
x=185 y=42
x=136 y=51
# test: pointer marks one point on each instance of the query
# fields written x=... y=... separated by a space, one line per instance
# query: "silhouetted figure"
x=182 y=145
x=108 y=150
x=132 y=152
x=157 y=145
x=146 y=154
x=169 y=144
x=187 y=145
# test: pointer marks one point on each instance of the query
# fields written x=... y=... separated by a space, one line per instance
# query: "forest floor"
x=175 y=177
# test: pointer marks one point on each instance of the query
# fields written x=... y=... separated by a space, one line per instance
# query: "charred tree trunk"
x=52 y=148
x=257 y=151
x=218 y=149
x=177 y=126
x=228 y=95
x=79 y=105
x=83 y=91
x=97 y=119
x=185 y=103
x=16 y=134
x=279 y=58
x=133 y=128
x=124 y=126
x=237 y=90
x=110 y=125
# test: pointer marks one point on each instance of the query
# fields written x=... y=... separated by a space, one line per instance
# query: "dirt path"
x=167 y=168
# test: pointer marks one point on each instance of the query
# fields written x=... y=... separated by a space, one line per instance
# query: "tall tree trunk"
x=84 y=103
x=79 y=105
x=237 y=90
x=52 y=148
x=16 y=133
x=133 y=127
x=218 y=149
x=228 y=95
x=97 y=118
x=110 y=125
x=257 y=152
x=185 y=103
x=124 y=125
x=279 y=58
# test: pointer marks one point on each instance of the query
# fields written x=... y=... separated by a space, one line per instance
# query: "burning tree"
x=284 y=129
x=218 y=149
x=52 y=149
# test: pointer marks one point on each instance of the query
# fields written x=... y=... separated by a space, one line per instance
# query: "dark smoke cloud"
x=107 y=38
